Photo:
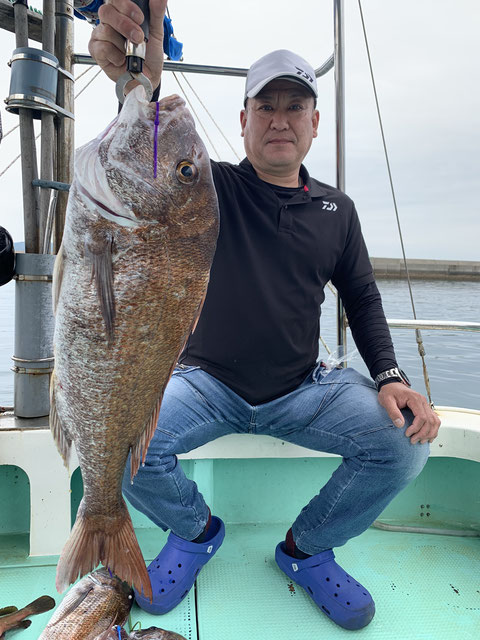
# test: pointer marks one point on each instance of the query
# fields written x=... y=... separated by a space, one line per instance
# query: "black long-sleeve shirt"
x=277 y=248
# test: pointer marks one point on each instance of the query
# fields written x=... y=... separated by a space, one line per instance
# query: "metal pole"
x=65 y=98
x=27 y=146
x=340 y=130
x=48 y=127
x=185 y=67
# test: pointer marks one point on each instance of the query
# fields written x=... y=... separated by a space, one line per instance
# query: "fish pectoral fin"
x=57 y=278
x=100 y=255
x=6 y=610
x=59 y=432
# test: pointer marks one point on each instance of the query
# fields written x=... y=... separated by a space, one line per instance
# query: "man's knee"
x=152 y=471
x=405 y=459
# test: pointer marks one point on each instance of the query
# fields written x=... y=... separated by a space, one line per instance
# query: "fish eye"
x=186 y=172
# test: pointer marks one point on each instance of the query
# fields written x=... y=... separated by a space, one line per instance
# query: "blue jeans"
x=335 y=411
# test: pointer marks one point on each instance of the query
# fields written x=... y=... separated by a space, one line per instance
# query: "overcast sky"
x=425 y=55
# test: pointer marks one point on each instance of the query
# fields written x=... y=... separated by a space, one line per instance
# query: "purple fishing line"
x=155 y=134
x=111 y=574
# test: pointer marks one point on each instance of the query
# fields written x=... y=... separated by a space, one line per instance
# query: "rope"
x=11 y=130
x=329 y=351
x=38 y=136
x=83 y=73
x=332 y=289
x=211 y=117
x=419 y=339
x=196 y=115
x=88 y=83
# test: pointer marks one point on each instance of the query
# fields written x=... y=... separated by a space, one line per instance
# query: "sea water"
x=452 y=357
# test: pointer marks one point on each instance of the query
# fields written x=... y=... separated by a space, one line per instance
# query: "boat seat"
x=33 y=450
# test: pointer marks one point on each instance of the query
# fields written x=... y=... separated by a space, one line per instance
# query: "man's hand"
x=121 y=19
x=395 y=396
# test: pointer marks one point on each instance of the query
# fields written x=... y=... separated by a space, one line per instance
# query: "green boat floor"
x=426 y=587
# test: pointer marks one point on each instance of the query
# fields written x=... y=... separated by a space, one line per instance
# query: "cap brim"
x=287 y=76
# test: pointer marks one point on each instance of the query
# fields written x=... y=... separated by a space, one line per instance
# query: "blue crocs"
x=176 y=567
x=337 y=594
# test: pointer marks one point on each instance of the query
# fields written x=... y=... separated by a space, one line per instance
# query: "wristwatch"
x=393 y=375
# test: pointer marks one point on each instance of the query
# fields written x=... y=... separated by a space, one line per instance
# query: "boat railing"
x=441 y=325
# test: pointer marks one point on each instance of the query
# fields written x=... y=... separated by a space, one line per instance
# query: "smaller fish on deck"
x=91 y=608
x=154 y=633
x=12 y=618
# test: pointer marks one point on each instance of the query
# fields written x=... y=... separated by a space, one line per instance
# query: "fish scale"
x=129 y=283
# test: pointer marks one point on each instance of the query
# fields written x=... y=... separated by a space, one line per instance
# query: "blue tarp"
x=171 y=46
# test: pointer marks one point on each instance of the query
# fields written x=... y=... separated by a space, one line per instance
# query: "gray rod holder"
x=33 y=83
x=34 y=325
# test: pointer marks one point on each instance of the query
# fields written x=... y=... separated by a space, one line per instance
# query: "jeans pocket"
x=184 y=368
x=322 y=375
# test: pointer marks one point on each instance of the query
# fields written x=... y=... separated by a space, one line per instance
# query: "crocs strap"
x=314 y=561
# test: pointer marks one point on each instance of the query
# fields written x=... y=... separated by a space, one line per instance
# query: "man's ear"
x=243 y=120
x=315 y=121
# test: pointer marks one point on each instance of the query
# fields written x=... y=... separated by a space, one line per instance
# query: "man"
x=250 y=365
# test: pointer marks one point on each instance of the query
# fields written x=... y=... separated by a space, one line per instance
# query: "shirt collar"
x=314 y=189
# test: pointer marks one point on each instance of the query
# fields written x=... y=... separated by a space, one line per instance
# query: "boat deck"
x=423 y=585
x=426 y=587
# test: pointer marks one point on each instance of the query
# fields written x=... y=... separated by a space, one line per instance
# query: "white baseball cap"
x=280 y=64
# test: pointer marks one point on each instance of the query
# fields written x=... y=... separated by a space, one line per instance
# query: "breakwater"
x=426 y=269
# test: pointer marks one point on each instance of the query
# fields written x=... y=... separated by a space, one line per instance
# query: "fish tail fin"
x=40 y=605
x=109 y=540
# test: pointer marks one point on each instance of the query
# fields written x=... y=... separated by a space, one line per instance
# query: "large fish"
x=91 y=608
x=129 y=283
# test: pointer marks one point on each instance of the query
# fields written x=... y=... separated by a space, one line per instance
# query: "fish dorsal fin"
x=59 y=433
x=100 y=255
x=139 y=450
x=57 y=278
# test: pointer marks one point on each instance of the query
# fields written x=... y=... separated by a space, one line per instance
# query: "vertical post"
x=340 y=130
x=65 y=126
x=34 y=324
x=48 y=127
x=27 y=145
